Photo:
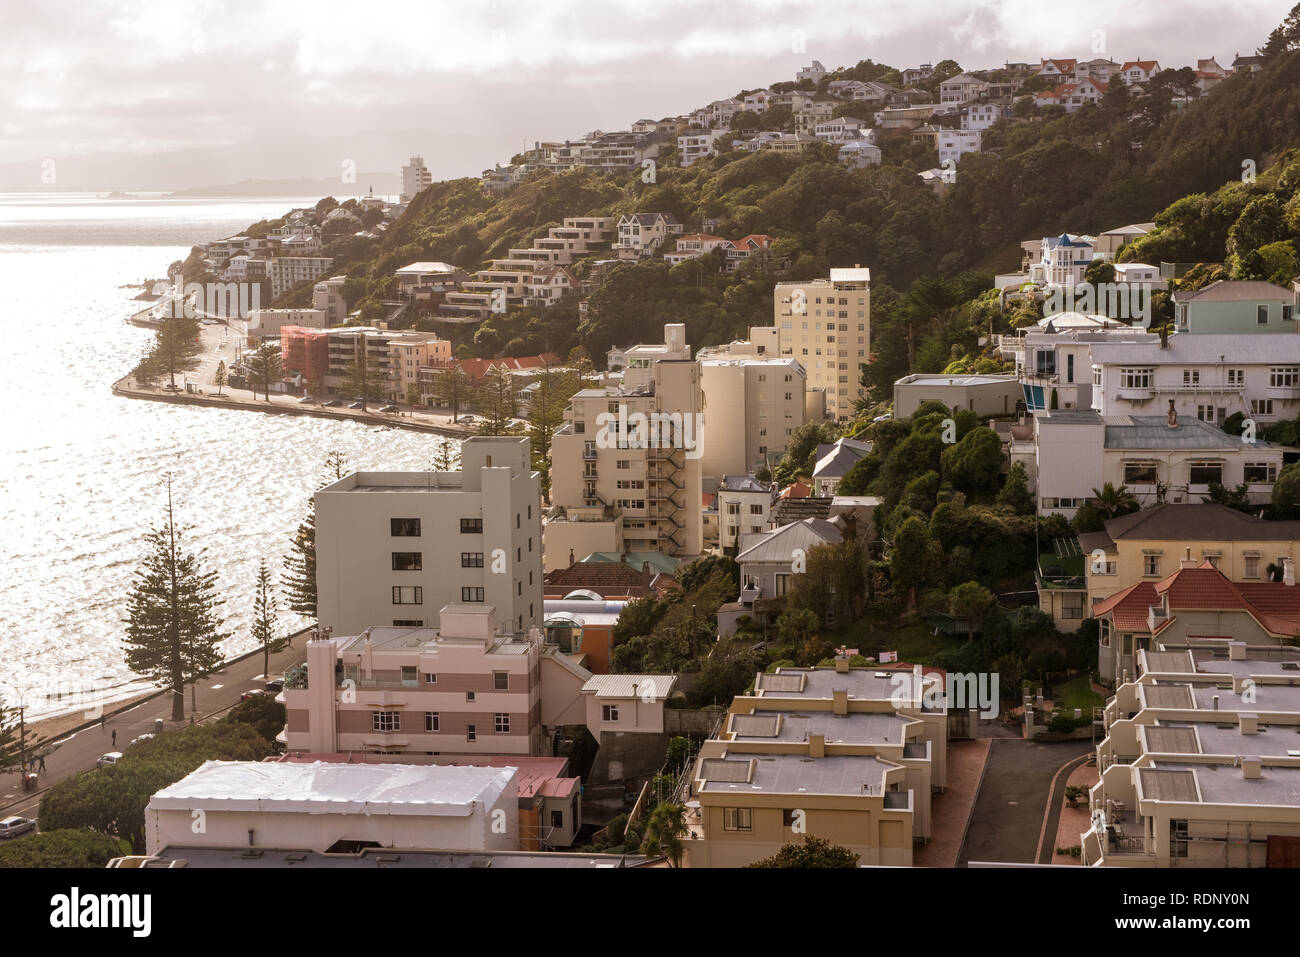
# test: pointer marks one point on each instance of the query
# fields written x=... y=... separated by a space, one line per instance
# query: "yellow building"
x=850 y=755
x=826 y=325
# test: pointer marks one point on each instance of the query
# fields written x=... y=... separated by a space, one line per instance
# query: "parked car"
x=357 y=405
x=13 y=826
x=112 y=757
x=389 y=408
x=254 y=693
x=306 y=400
x=332 y=403
x=275 y=684
x=466 y=418
x=142 y=737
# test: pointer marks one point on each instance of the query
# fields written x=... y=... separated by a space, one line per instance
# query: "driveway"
x=1007 y=822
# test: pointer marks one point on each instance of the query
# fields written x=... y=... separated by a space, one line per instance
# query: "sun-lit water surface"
x=80 y=469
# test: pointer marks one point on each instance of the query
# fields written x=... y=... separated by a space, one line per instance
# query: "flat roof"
x=331 y=788
x=1225 y=784
x=799 y=774
x=860 y=727
x=375 y=858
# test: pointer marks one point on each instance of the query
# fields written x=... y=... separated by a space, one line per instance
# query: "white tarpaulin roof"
x=326 y=787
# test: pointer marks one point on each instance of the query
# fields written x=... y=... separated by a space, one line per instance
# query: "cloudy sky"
x=286 y=88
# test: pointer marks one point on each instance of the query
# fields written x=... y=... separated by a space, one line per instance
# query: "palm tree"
x=1113 y=502
x=664 y=831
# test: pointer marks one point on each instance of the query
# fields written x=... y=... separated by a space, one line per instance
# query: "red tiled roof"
x=1140 y=64
x=796 y=490
x=1128 y=608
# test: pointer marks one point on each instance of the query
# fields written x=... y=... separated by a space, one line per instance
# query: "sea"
x=81 y=469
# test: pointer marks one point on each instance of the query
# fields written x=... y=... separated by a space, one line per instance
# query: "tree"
x=446 y=456
x=1286 y=493
x=1015 y=492
x=265 y=620
x=264 y=367
x=174 y=631
x=221 y=377
x=664 y=831
x=363 y=379
x=813 y=852
x=1111 y=502
x=299 y=578
x=495 y=398
x=1237 y=498
x=974 y=464
x=451 y=388
x=545 y=413
x=970 y=600
x=67 y=847
x=18 y=744
x=1285 y=36
x=909 y=558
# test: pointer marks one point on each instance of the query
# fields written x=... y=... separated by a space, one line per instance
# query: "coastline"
x=213 y=343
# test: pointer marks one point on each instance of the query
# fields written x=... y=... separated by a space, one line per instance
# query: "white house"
x=814 y=72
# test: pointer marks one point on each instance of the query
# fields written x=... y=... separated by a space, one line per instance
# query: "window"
x=557 y=819
x=470 y=594
x=430 y=678
x=1263 y=473
x=502 y=723
x=1045 y=362
x=408 y=595
x=1283 y=377
x=385 y=720
x=410 y=676
x=1261 y=315
x=407 y=561
x=431 y=721
x=788 y=817
x=471 y=733
x=1140 y=473
x=1072 y=605
x=1261 y=406
x=1151 y=565
x=1204 y=473
x=1135 y=378
x=1251 y=566
x=471 y=526
x=500 y=681
x=408 y=622
x=471 y=559
x=1236 y=377
x=1191 y=377
x=609 y=712
x=737 y=819
x=404 y=527
x=469 y=696
x=756 y=510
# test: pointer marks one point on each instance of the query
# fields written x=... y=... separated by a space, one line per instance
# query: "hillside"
x=1044 y=172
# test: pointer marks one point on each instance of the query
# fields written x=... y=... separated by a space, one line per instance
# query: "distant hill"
x=384 y=184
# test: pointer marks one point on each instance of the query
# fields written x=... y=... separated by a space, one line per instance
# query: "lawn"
x=913 y=643
x=1077 y=693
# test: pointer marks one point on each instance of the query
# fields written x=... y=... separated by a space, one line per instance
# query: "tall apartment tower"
x=625 y=473
x=392 y=548
x=414 y=178
x=826 y=325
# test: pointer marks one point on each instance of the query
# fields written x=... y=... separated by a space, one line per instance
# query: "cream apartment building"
x=1199 y=767
x=826 y=325
x=751 y=405
x=408 y=352
x=394 y=547
x=851 y=755
x=626 y=466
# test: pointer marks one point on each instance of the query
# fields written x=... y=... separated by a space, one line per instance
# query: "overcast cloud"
x=295 y=88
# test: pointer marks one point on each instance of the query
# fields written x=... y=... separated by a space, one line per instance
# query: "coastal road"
x=79 y=750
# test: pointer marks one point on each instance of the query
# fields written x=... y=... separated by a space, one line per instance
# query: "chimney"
x=841 y=664
x=1216 y=703
x=1251 y=768
x=816 y=745
x=1187 y=558
x=1288 y=572
x=1239 y=684
x=1236 y=651
x=572 y=559
x=840 y=701
x=1248 y=723
x=646 y=575
x=1172 y=416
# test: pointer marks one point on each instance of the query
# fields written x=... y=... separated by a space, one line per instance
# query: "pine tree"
x=363 y=378
x=446 y=458
x=221 y=377
x=18 y=744
x=299 y=579
x=264 y=367
x=174 y=630
x=495 y=398
x=451 y=388
x=265 y=621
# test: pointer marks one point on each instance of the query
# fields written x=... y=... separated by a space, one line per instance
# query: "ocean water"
x=80 y=469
